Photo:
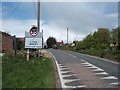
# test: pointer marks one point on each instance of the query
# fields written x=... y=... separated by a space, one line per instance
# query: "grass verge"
x=113 y=55
x=19 y=73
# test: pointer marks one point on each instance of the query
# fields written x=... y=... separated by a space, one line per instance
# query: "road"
x=78 y=70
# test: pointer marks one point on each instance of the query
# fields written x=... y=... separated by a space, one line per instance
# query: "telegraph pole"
x=42 y=39
x=15 y=45
x=67 y=35
x=38 y=21
x=38 y=24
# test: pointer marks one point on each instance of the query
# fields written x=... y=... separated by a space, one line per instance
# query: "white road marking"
x=63 y=81
x=82 y=60
x=115 y=83
x=68 y=75
x=91 y=66
x=100 y=58
x=60 y=64
x=98 y=69
x=80 y=86
x=65 y=72
x=88 y=65
x=72 y=55
x=101 y=73
x=109 y=77
x=69 y=80
x=60 y=75
x=63 y=68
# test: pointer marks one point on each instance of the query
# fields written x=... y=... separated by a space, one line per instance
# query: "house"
x=6 y=42
x=59 y=43
x=72 y=44
x=20 y=41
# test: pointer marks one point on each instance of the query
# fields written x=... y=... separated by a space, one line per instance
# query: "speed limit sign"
x=33 y=31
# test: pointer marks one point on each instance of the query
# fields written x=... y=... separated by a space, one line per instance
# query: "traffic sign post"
x=28 y=54
x=33 y=40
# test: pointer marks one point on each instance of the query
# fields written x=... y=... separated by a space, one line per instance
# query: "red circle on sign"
x=33 y=32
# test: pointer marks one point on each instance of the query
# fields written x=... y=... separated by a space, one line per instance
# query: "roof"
x=5 y=33
x=21 y=38
x=58 y=43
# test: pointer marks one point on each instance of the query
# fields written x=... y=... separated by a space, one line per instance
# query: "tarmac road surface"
x=78 y=70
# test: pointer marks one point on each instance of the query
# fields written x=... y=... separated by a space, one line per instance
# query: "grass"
x=19 y=73
x=113 y=55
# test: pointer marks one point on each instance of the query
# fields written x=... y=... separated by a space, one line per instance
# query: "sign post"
x=28 y=54
x=33 y=40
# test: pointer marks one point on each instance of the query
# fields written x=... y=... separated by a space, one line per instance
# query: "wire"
x=13 y=12
x=35 y=8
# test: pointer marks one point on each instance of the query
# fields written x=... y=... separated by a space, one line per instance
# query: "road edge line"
x=107 y=60
x=60 y=77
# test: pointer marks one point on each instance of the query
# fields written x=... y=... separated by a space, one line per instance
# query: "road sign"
x=39 y=35
x=33 y=31
x=33 y=38
x=33 y=43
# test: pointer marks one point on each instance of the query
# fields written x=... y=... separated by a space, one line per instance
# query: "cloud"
x=80 y=18
x=62 y=0
x=17 y=27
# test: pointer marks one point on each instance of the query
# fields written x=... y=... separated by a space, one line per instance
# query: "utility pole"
x=42 y=39
x=15 y=45
x=38 y=21
x=38 y=25
x=67 y=35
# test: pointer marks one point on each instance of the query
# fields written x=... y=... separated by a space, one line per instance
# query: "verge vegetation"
x=102 y=43
x=19 y=73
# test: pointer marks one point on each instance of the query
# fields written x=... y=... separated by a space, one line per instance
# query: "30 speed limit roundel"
x=33 y=31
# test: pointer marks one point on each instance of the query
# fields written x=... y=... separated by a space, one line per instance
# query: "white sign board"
x=33 y=43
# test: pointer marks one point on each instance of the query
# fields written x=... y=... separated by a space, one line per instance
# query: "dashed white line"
x=63 y=81
x=98 y=69
x=88 y=65
x=115 y=83
x=109 y=77
x=72 y=55
x=99 y=58
x=69 y=80
x=101 y=73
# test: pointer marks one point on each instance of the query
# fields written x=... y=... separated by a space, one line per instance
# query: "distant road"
x=100 y=69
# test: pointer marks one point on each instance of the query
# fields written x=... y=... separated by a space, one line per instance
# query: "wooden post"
x=42 y=40
x=28 y=55
x=38 y=21
x=15 y=45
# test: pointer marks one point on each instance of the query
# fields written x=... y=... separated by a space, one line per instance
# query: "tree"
x=88 y=41
x=102 y=38
x=115 y=33
x=118 y=38
x=80 y=45
x=50 y=42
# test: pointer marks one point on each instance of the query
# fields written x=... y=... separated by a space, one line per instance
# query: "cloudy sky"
x=81 y=18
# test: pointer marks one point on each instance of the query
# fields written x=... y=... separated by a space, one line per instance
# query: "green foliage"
x=114 y=35
x=19 y=73
x=110 y=54
x=51 y=41
x=102 y=38
x=88 y=41
x=80 y=45
x=98 y=40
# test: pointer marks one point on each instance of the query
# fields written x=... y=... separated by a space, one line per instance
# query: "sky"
x=82 y=18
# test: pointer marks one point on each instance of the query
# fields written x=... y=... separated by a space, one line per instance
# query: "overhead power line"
x=9 y=15
x=35 y=9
